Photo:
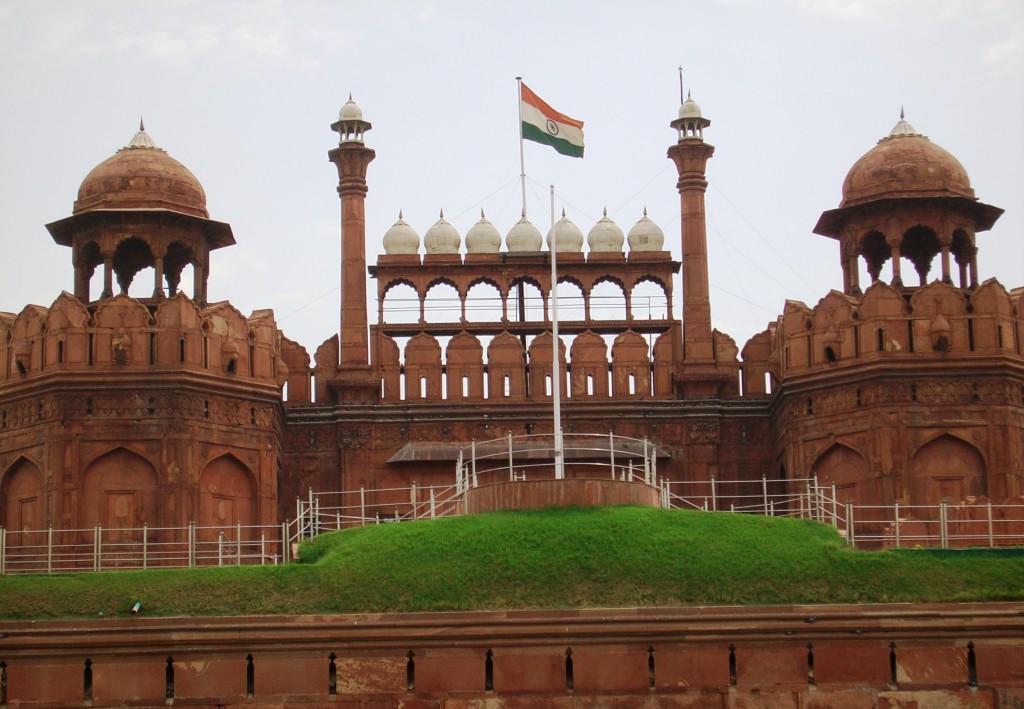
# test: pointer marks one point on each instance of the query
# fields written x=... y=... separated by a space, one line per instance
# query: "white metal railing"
x=532 y=457
x=105 y=549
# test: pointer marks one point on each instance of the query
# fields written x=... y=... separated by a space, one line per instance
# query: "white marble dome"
x=401 y=238
x=523 y=236
x=646 y=235
x=442 y=238
x=606 y=236
x=566 y=235
x=690 y=108
x=483 y=237
x=350 y=111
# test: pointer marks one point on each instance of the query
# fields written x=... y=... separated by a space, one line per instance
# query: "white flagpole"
x=556 y=368
x=522 y=158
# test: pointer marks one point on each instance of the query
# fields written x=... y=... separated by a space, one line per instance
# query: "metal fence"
x=107 y=549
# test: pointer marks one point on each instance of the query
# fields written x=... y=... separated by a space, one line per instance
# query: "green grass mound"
x=563 y=558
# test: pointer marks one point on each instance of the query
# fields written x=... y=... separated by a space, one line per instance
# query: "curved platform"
x=570 y=492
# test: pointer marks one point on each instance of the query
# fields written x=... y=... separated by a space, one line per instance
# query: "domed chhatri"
x=401 y=239
x=350 y=111
x=141 y=176
x=523 y=236
x=606 y=236
x=483 y=237
x=646 y=235
x=565 y=236
x=442 y=238
x=905 y=164
x=350 y=126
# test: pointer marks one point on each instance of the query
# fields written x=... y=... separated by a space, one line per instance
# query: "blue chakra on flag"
x=552 y=127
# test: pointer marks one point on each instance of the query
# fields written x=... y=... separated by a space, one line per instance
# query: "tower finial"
x=142 y=126
x=901 y=112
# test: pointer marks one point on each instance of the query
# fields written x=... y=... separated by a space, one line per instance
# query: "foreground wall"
x=957 y=655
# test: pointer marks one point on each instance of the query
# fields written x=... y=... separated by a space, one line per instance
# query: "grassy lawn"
x=564 y=558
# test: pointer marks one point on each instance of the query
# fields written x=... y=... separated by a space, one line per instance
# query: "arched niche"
x=227 y=496
x=22 y=498
x=946 y=469
x=119 y=491
x=847 y=469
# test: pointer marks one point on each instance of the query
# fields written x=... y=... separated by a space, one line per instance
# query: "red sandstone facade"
x=163 y=410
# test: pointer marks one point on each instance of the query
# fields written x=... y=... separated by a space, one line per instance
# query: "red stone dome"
x=142 y=176
x=905 y=164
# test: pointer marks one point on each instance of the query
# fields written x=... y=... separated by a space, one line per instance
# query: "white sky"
x=243 y=93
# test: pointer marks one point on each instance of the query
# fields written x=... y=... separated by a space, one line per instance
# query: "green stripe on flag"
x=563 y=146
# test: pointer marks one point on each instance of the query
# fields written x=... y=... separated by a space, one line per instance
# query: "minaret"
x=352 y=158
x=691 y=154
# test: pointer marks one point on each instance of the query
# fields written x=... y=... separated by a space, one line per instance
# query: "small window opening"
x=975 y=395
x=206 y=409
x=232 y=366
x=970 y=334
x=332 y=675
x=810 y=407
x=810 y=664
x=423 y=387
x=880 y=333
x=410 y=672
x=88 y=406
x=632 y=384
x=913 y=392
x=151 y=406
x=859 y=403
x=120 y=356
x=590 y=385
x=152 y=348
x=60 y=347
x=732 y=665
x=856 y=341
x=252 y=360
x=570 y=682
x=206 y=351
x=252 y=416
x=3 y=418
x=39 y=411
x=508 y=385
x=942 y=344
x=181 y=350
x=92 y=348
x=972 y=666
x=892 y=664
x=489 y=672
x=250 y=676
x=650 y=667
x=465 y=386
x=87 y=681
x=547 y=385
x=830 y=354
x=910 y=335
x=169 y=679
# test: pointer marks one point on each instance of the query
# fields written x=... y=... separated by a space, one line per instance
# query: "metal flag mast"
x=556 y=369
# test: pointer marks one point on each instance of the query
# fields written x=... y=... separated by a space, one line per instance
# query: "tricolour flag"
x=543 y=124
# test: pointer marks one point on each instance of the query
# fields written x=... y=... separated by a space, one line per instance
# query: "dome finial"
x=142 y=126
x=400 y=214
x=901 y=112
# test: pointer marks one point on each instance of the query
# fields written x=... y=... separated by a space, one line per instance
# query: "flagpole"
x=522 y=158
x=556 y=363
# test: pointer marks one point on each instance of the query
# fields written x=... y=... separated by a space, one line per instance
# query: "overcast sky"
x=243 y=93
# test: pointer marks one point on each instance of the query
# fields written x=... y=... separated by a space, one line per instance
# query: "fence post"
x=433 y=509
x=362 y=506
x=511 y=473
x=263 y=548
x=835 y=509
x=850 y=537
x=647 y=465
x=472 y=463
x=145 y=548
x=714 y=496
x=810 y=502
x=764 y=493
x=191 y=544
x=611 y=451
x=97 y=546
x=896 y=514
x=238 y=541
x=413 y=497
x=991 y=535
x=285 y=542
x=3 y=551
x=220 y=548
x=943 y=531
x=298 y=517
x=49 y=549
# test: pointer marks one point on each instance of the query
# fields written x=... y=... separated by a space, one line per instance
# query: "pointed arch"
x=227 y=495
x=119 y=491
x=848 y=470
x=22 y=497
x=946 y=469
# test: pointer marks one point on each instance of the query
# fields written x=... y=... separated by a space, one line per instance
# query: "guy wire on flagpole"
x=522 y=159
x=556 y=362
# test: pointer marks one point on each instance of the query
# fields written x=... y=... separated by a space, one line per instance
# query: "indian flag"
x=543 y=124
